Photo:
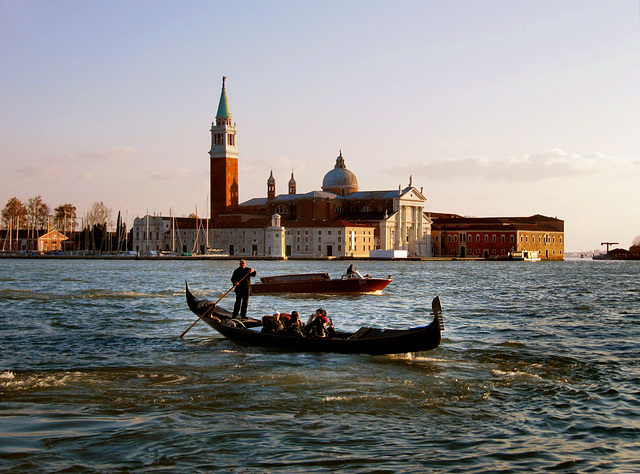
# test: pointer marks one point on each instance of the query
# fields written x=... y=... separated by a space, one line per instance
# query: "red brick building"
x=496 y=237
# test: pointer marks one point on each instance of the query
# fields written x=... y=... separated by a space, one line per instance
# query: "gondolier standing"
x=241 y=279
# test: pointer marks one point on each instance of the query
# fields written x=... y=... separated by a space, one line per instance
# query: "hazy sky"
x=496 y=108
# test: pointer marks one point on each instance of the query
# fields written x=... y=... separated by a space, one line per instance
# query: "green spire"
x=223 y=106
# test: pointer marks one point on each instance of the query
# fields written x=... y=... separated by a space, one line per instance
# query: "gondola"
x=365 y=340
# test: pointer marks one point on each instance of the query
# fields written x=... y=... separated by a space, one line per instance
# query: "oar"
x=212 y=309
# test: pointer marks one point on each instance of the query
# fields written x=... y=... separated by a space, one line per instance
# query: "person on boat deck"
x=272 y=324
x=241 y=279
x=319 y=325
x=351 y=270
x=295 y=327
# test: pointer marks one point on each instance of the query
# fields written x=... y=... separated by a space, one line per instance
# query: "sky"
x=494 y=108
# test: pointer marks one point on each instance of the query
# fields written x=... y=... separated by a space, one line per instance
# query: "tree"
x=98 y=219
x=98 y=214
x=636 y=241
x=37 y=214
x=14 y=214
x=65 y=218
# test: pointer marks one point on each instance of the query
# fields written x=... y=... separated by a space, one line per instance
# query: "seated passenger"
x=272 y=324
x=295 y=326
x=319 y=325
x=284 y=319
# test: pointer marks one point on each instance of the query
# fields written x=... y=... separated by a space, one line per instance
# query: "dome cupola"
x=340 y=180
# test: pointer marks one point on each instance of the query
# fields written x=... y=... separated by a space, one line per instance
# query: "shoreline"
x=237 y=257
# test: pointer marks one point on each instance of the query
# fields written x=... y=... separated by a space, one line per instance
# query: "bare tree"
x=65 y=218
x=37 y=214
x=98 y=220
x=14 y=214
x=14 y=217
x=99 y=214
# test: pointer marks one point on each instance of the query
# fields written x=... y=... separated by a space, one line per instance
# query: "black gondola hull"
x=366 y=341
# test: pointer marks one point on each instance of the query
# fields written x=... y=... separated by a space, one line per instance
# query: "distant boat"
x=319 y=283
x=526 y=256
x=520 y=256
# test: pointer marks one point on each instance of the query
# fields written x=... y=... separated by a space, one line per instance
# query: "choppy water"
x=538 y=370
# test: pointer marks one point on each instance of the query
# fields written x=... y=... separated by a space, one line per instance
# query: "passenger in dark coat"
x=241 y=278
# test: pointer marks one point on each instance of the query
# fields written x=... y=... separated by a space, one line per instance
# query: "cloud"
x=105 y=156
x=166 y=175
x=62 y=168
x=550 y=164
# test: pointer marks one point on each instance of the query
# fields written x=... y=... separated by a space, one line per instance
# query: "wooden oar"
x=212 y=309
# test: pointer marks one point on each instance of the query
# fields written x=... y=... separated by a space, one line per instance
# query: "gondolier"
x=241 y=279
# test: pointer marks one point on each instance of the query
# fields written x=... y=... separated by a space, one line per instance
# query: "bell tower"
x=224 y=159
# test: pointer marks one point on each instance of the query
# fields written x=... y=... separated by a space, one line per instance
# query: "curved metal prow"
x=437 y=311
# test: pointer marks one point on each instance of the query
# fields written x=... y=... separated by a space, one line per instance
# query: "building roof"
x=536 y=222
x=223 y=106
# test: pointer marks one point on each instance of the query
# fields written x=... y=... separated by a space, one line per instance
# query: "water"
x=538 y=370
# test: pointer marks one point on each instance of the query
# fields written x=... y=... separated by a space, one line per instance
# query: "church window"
x=365 y=209
x=477 y=237
x=493 y=238
x=502 y=238
x=486 y=238
x=339 y=209
x=455 y=238
x=281 y=209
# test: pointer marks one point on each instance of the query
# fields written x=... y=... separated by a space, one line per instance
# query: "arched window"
x=365 y=209
x=281 y=209
x=338 y=209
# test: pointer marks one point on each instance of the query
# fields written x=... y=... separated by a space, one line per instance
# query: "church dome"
x=340 y=180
